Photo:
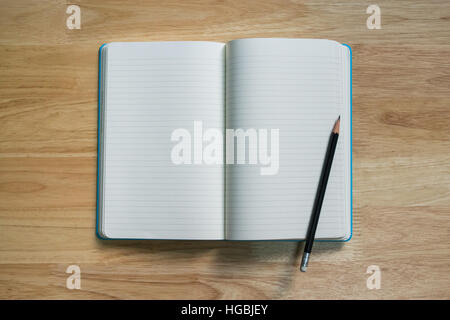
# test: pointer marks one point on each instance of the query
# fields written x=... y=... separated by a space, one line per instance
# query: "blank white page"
x=149 y=90
x=300 y=87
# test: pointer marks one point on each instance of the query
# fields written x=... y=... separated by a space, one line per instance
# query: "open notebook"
x=148 y=90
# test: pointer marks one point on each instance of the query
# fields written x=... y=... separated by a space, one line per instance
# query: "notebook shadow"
x=275 y=260
x=241 y=252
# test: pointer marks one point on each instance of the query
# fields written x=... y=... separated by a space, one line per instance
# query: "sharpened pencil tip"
x=337 y=125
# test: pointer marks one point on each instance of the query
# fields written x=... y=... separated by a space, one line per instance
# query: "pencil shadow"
x=278 y=261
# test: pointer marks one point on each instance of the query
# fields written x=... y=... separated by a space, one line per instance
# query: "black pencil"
x=320 y=194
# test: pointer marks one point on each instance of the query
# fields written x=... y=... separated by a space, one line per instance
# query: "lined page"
x=152 y=89
x=299 y=87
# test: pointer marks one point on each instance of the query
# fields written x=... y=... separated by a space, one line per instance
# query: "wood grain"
x=401 y=158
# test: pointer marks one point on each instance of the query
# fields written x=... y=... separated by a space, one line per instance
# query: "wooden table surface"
x=48 y=141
